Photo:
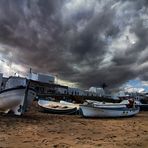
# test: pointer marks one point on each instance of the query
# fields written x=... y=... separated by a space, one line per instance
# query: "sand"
x=42 y=130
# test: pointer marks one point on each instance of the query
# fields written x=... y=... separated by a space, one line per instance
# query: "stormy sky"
x=87 y=42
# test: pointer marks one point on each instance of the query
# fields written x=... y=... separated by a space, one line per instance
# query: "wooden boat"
x=16 y=99
x=110 y=110
x=70 y=104
x=56 y=107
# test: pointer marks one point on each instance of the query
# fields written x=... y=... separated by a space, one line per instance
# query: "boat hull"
x=59 y=111
x=16 y=99
x=103 y=112
x=56 y=107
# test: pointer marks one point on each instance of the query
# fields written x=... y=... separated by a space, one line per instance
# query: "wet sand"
x=42 y=130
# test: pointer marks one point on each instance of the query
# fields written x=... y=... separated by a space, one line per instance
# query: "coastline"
x=42 y=130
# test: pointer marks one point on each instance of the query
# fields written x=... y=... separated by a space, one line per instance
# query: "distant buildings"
x=45 y=84
x=42 y=78
x=96 y=91
x=1 y=79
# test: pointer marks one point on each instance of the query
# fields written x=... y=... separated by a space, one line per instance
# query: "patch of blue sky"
x=136 y=83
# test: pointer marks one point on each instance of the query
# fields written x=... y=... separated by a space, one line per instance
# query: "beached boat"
x=143 y=105
x=123 y=102
x=108 y=110
x=56 y=107
x=70 y=104
x=15 y=97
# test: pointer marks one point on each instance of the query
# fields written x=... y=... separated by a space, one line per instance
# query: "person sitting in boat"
x=131 y=103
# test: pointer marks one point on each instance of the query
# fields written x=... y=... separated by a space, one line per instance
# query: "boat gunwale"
x=109 y=108
x=16 y=88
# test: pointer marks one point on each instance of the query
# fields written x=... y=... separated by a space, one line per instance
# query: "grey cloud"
x=39 y=35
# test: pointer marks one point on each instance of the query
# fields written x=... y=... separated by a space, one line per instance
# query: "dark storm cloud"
x=75 y=39
x=111 y=76
x=89 y=42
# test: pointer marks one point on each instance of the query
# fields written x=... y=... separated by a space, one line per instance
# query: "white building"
x=76 y=91
x=1 y=79
x=15 y=81
x=61 y=90
x=41 y=78
x=96 y=91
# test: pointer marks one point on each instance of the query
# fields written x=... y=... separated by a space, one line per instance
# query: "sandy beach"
x=42 y=130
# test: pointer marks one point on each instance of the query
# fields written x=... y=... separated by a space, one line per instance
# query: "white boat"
x=92 y=110
x=143 y=106
x=17 y=98
x=70 y=104
x=56 y=107
x=123 y=102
